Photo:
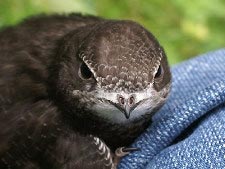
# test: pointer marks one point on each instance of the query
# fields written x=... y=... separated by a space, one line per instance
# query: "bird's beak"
x=126 y=105
x=126 y=111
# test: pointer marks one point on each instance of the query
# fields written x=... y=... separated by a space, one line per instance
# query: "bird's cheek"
x=165 y=91
x=149 y=104
x=87 y=87
x=157 y=86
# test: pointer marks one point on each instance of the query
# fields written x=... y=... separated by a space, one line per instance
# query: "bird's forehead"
x=124 y=59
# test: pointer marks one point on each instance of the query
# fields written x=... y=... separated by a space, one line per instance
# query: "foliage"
x=184 y=28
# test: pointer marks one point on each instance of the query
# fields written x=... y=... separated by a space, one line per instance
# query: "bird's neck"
x=114 y=134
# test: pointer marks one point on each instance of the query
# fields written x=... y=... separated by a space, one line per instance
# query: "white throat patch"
x=149 y=99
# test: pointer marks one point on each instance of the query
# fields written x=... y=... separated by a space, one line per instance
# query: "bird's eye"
x=84 y=72
x=159 y=72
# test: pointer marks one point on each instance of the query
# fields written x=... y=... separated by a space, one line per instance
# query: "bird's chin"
x=114 y=115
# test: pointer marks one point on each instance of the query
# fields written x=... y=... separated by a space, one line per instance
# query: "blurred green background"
x=184 y=28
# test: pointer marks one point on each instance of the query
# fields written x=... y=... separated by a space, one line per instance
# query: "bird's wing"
x=33 y=133
x=26 y=130
x=76 y=151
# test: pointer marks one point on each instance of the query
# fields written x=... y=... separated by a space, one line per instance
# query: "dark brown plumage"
x=68 y=83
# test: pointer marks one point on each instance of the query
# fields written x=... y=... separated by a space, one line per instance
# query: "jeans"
x=189 y=130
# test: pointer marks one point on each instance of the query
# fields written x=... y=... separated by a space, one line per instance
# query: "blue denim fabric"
x=189 y=131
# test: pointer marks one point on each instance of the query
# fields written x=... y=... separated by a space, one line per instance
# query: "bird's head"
x=115 y=70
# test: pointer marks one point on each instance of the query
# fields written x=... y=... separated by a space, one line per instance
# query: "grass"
x=184 y=28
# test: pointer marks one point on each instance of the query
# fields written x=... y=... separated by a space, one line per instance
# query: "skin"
x=75 y=88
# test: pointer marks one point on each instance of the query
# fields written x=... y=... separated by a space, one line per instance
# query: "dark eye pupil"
x=159 y=72
x=85 y=71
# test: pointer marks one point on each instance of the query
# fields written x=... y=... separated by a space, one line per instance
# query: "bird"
x=76 y=90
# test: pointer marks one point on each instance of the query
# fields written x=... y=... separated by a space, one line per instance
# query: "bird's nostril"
x=121 y=100
x=131 y=100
